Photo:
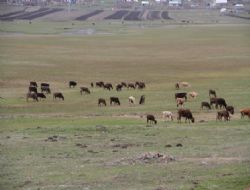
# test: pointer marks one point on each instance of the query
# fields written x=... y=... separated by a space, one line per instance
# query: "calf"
x=187 y=114
x=193 y=94
x=151 y=118
x=72 y=84
x=167 y=114
x=114 y=101
x=85 y=90
x=245 y=111
x=221 y=114
x=101 y=101
x=205 y=104
x=58 y=95
x=131 y=99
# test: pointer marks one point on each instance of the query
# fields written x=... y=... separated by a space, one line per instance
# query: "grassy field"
x=74 y=144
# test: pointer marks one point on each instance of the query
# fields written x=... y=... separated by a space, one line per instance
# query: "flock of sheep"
x=180 y=98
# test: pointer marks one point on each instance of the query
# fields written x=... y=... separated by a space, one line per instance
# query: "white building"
x=175 y=3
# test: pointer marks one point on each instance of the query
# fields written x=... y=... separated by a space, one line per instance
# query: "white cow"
x=167 y=114
x=131 y=100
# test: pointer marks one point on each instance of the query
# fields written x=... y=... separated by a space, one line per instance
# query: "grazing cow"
x=180 y=101
x=193 y=94
x=181 y=95
x=221 y=114
x=212 y=92
x=187 y=114
x=220 y=102
x=85 y=90
x=45 y=89
x=124 y=84
x=108 y=86
x=32 y=89
x=151 y=118
x=72 y=84
x=33 y=83
x=230 y=109
x=115 y=101
x=167 y=114
x=41 y=96
x=119 y=87
x=32 y=96
x=245 y=111
x=140 y=85
x=58 y=95
x=131 y=99
x=99 y=84
x=101 y=101
x=205 y=104
x=142 y=100
x=131 y=85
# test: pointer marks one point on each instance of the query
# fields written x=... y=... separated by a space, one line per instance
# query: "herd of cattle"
x=180 y=98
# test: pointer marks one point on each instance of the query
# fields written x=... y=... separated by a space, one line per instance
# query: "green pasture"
x=98 y=147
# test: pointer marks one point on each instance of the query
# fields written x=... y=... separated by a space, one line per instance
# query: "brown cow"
x=187 y=114
x=101 y=101
x=85 y=90
x=32 y=96
x=58 y=95
x=221 y=114
x=245 y=111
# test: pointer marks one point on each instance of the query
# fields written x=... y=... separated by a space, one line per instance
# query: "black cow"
x=151 y=118
x=140 y=85
x=181 y=95
x=92 y=84
x=221 y=114
x=108 y=86
x=99 y=84
x=32 y=89
x=33 y=83
x=118 y=87
x=115 y=101
x=58 y=95
x=187 y=114
x=72 y=84
x=41 y=96
x=101 y=101
x=124 y=84
x=32 y=96
x=85 y=90
x=221 y=102
x=212 y=92
x=131 y=85
x=213 y=101
x=142 y=100
x=45 y=89
x=205 y=104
